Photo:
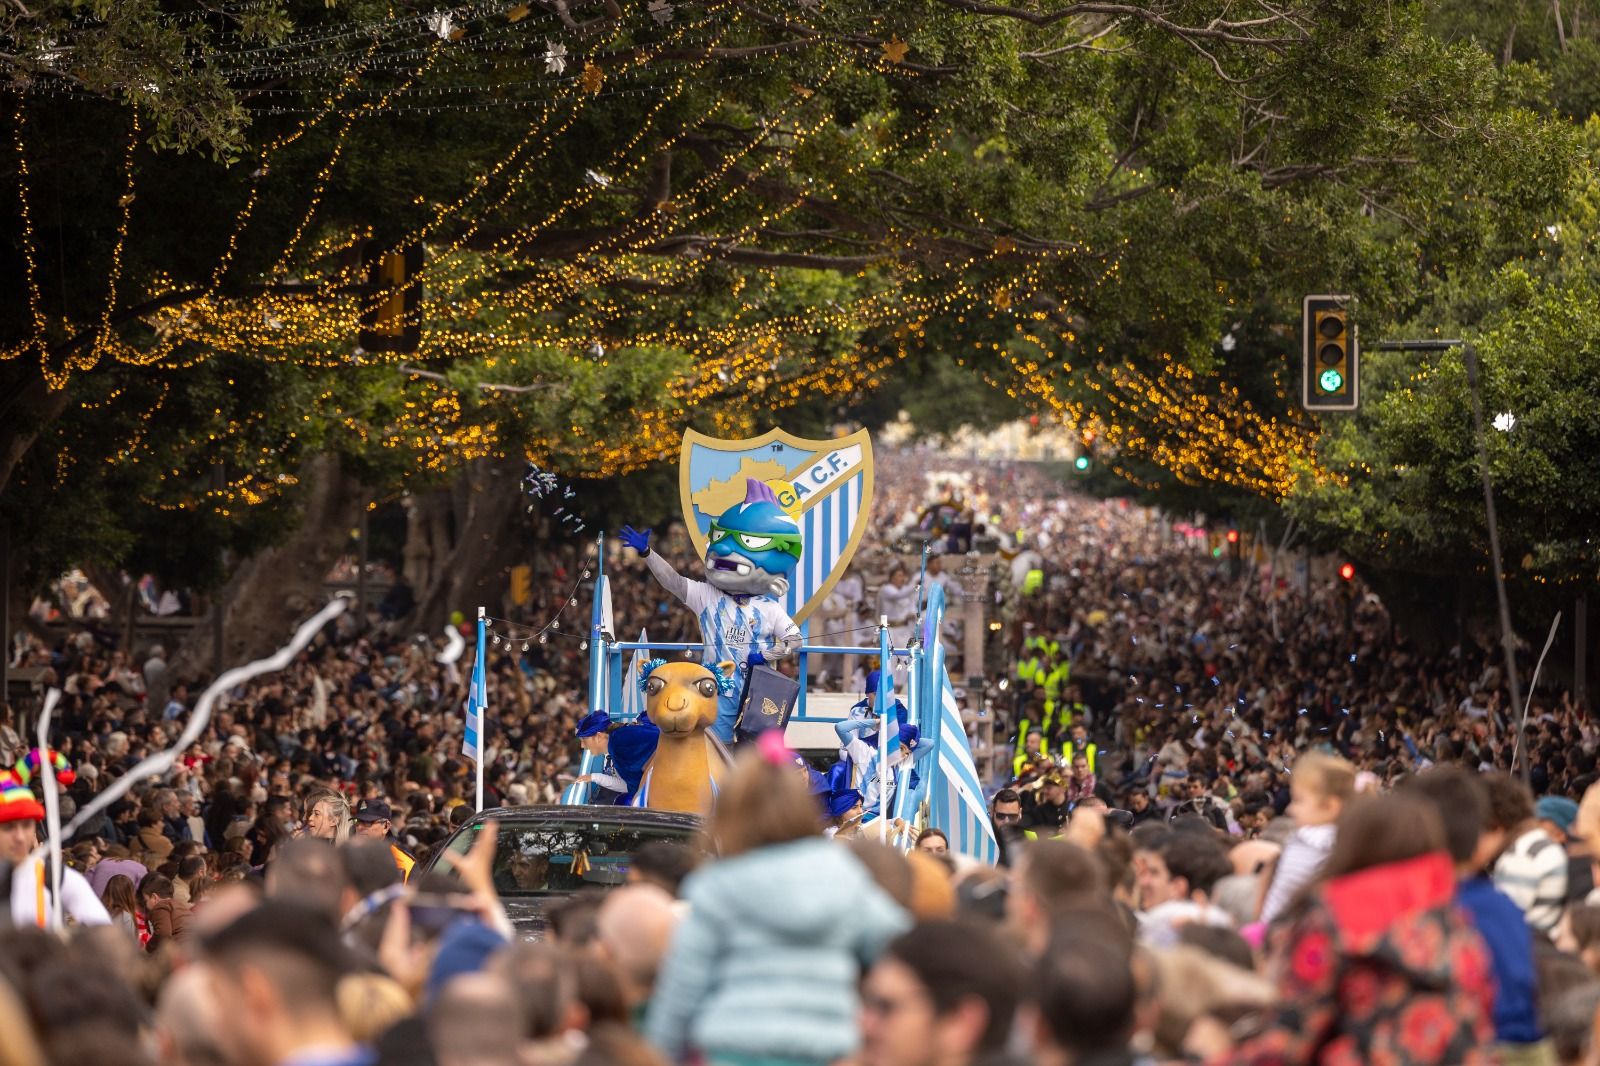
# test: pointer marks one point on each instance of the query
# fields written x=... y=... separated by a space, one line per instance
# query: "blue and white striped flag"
x=955 y=791
x=888 y=721
x=632 y=694
x=477 y=700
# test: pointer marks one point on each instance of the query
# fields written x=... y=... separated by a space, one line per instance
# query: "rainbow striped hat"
x=27 y=767
x=17 y=801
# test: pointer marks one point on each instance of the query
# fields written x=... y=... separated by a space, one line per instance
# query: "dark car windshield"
x=558 y=857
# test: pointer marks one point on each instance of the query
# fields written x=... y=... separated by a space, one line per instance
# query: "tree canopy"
x=640 y=216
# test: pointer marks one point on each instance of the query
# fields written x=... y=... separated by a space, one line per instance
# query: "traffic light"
x=1347 y=571
x=1331 y=360
x=1233 y=536
x=522 y=585
x=1081 y=464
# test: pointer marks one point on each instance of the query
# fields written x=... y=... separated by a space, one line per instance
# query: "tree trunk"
x=417 y=566
x=270 y=593
x=488 y=497
x=440 y=540
x=31 y=405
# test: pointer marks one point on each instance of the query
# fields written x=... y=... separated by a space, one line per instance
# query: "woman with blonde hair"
x=328 y=817
x=370 y=1003
x=784 y=917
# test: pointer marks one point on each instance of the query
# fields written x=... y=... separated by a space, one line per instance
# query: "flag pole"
x=903 y=795
x=882 y=696
x=479 y=678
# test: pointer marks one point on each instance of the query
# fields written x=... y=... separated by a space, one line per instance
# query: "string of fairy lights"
x=511 y=634
x=248 y=207
x=577 y=304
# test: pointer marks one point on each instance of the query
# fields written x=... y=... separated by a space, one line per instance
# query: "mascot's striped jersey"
x=754 y=548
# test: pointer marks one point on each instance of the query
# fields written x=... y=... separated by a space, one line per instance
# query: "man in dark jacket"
x=1049 y=814
x=375 y=821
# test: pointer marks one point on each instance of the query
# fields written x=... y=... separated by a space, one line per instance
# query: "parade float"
x=775 y=521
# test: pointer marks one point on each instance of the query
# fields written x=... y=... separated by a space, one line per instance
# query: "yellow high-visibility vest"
x=402 y=861
x=1068 y=751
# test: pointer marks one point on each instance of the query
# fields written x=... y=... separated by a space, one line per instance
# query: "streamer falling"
x=541 y=484
x=159 y=763
x=52 y=804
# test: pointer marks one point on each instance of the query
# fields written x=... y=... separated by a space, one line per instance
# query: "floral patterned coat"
x=1379 y=967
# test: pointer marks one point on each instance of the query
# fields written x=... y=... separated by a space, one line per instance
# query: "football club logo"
x=824 y=485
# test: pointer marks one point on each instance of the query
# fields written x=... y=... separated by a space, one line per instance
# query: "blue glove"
x=756 y=658
x=637 y=539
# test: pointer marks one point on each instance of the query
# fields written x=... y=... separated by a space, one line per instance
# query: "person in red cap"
x=20 y=815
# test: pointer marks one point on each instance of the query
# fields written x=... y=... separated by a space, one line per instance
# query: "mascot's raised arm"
x=754 y=549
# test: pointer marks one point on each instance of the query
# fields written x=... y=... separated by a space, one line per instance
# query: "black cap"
x=373 y=811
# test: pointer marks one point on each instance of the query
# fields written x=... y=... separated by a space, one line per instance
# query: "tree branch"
x=486 y=386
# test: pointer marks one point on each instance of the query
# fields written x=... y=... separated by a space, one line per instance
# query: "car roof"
x=568 y=812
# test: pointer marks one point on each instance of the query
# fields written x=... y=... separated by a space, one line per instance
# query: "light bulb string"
x=525 y=634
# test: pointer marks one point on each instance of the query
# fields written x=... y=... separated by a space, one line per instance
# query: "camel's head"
x=682 y=696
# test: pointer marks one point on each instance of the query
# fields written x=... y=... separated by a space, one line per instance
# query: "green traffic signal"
x=1330 y=370
x=1081 y=463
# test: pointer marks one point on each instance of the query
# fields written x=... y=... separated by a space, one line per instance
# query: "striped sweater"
x=1533 y=872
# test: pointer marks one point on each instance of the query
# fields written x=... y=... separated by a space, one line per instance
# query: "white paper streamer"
x=52 y=804
x=1516 y=750
x=159 y=763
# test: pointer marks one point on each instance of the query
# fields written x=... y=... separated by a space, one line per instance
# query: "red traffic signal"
x=1233 y=536
x=1347 y=571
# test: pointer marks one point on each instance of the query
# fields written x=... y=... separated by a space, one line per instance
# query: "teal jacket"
x=767 y=961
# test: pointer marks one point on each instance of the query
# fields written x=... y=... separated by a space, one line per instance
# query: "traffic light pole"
x=1508 y=639
x=1418 y=346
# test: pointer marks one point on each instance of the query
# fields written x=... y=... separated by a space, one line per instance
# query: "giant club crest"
x=825 y=485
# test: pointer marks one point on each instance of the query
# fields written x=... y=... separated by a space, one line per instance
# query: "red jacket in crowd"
x=1378 y=966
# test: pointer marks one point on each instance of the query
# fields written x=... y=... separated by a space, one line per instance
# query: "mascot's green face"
x=754 y=545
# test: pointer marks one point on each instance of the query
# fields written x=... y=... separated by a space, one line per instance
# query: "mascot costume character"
x=627 y=748
x=685 y=770
x=859 y=758
x=754 y=548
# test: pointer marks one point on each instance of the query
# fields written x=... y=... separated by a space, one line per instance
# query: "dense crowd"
x=1241 y=820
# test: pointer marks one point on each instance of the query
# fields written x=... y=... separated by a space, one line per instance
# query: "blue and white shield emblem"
x=825 y=485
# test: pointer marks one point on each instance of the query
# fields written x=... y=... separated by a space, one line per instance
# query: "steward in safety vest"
x=373 y=820
x=1035 y=724
x=1038 y=658
x=1030 y=750
x=1080 y=742
x=1054 y=680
